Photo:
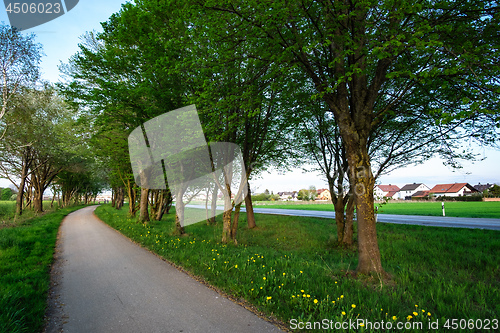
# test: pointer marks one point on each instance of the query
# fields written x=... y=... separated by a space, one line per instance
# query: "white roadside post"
x=442 y=205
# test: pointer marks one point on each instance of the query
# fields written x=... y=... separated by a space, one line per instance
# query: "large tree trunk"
x=348 y=237
x=179 y=217
x=179 y=210
x=20 y=194
x=234 y=227
x=249 y=209
x=37 y=196
x=226 y=216
x=369 y=260
x=132 y=198
x=213 y=205
x=339 y=218
x=144 y=214
x=113 y=197
x=161 y=206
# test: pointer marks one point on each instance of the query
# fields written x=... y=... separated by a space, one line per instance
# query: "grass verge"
x=288 y=268
x=26 y=255
x=453 y=208
x=8 y=216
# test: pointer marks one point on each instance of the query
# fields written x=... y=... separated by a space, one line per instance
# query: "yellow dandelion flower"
x=264 y=278
x=341 y=296
x=315 y=301
x=269 y=297
x=361 y=324
x=429 y=314
x=284 y=274
x=333 y=302
x=308 y=295
x=409 y=317
x=415 y=314
x=302 y=291
x=416 y=305
x=343 y=313
x=300 y=272
x=394 y=317
x=235 y=266
x=353 y=306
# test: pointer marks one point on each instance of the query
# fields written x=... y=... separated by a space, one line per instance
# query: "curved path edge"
x=101 y=281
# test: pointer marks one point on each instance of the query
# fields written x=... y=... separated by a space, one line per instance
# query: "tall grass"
x=289 y=267
x=26 y=254
x=8 y=216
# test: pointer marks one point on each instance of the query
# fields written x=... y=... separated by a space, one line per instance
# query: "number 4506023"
x=473 y=324
x=33 y=8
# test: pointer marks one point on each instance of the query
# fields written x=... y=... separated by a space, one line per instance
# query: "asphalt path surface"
x=103 y=282
x=433 y=221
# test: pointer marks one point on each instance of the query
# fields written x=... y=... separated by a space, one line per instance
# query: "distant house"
x=324 y=194
x=407 y=191
x=288 y=196
x=483 y=187
x=453 y=190
x=387 y=191
x=420 y=194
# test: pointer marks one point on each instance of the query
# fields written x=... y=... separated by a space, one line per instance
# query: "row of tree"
x=357 y=87
x=41 y=144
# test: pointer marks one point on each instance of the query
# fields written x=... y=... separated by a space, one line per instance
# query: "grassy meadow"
x=26 y=255
x=289 y=268
x=453 y=208
x=8 y=212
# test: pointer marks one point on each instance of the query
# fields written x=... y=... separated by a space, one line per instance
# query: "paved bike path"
x=106 y=283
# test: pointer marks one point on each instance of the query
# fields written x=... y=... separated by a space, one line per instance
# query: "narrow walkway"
x=106 y=283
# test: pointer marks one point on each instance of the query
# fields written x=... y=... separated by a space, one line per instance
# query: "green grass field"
x=26 y=255
x=453 y=208
x=289 y=268
x=8 y=210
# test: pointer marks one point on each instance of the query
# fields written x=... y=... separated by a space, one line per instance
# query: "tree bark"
x=249 y=209
x=348 y=237
x=369 y=260
x=179 y=210
x=234 y=227
x=339 y=219
x=20 y=194
x=213 y=205
x=179 y=217
x=144 y=214
x=226 y=216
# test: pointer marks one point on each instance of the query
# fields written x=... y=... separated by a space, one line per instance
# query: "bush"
x=6 y=193
x=465 y=198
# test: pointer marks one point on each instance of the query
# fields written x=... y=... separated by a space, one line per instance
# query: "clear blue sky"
x=60 y=39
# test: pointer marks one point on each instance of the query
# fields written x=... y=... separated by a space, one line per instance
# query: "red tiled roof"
x=390 y=194
x=388 y=188
x=450 y=188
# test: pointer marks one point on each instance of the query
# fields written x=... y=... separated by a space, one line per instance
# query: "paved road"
x=435 y=221
x=106 y=283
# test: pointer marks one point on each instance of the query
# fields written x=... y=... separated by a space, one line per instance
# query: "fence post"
x=442 y=205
